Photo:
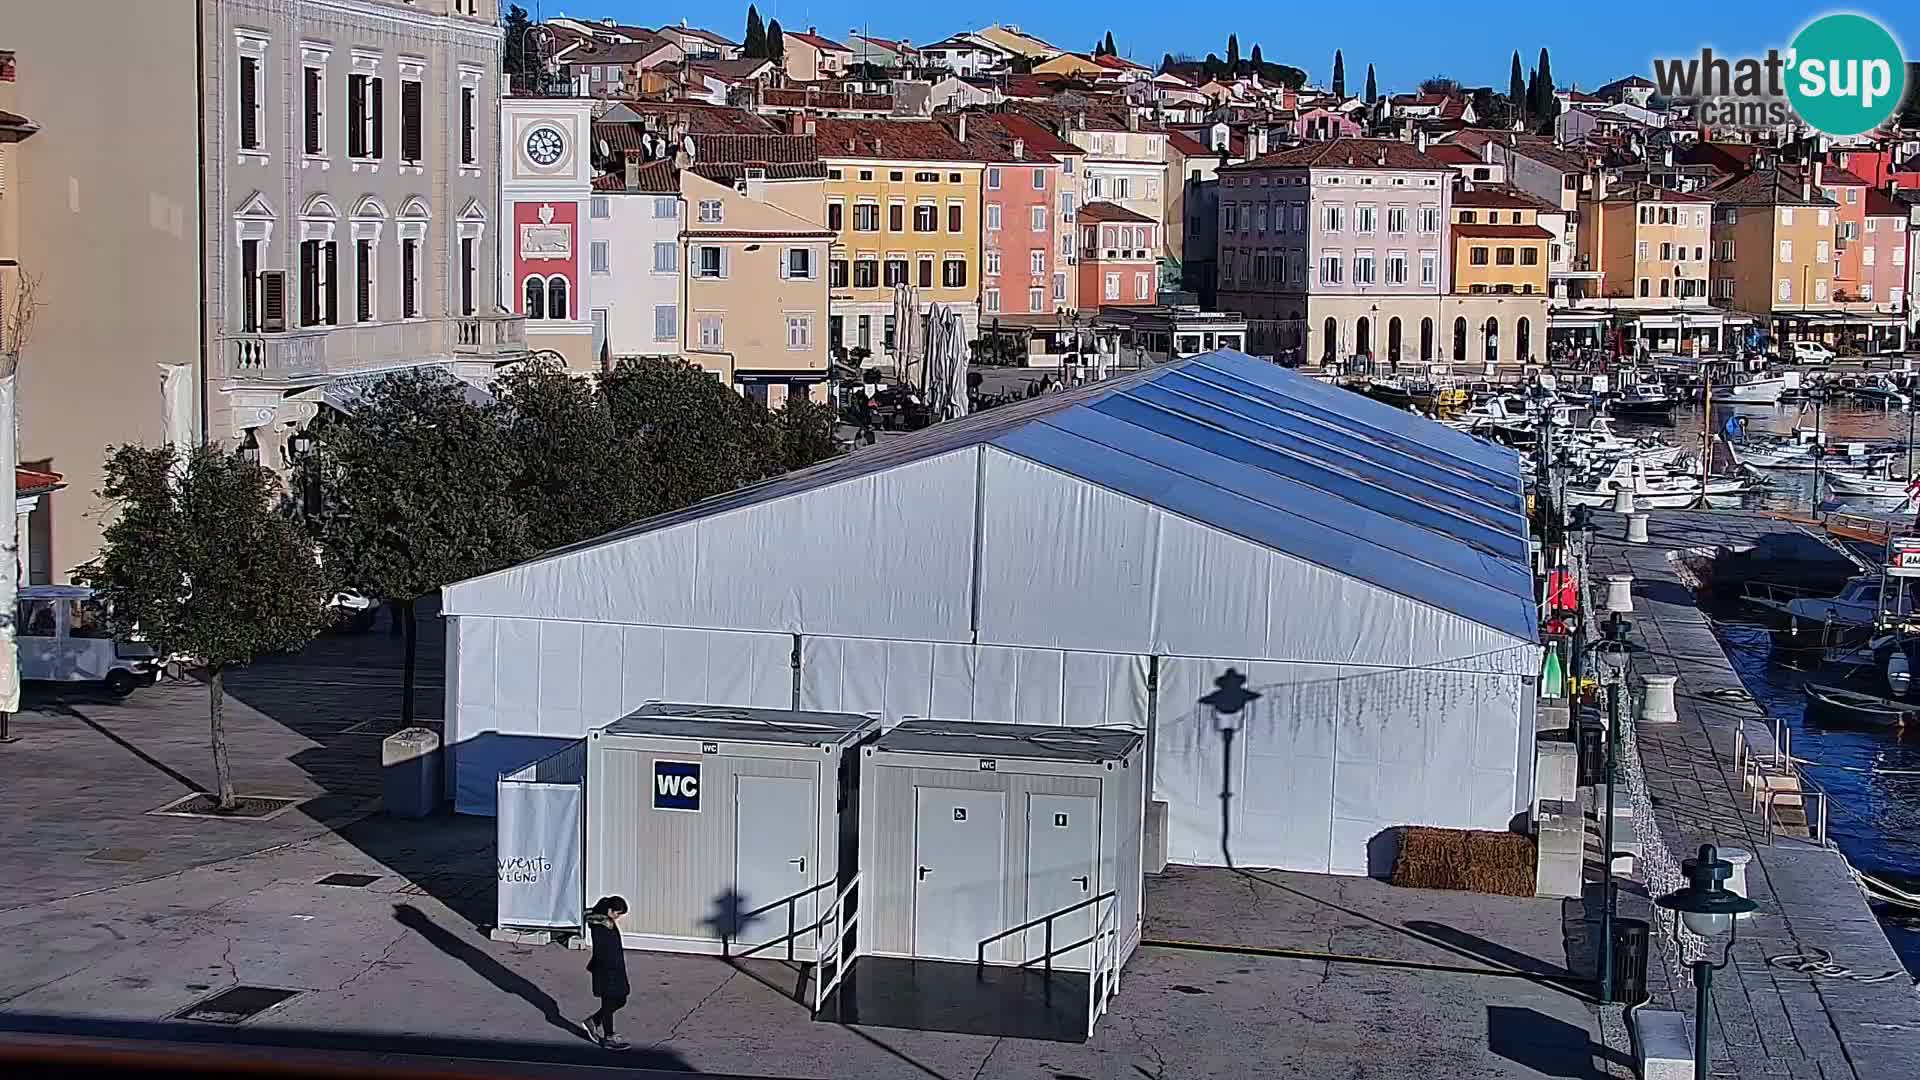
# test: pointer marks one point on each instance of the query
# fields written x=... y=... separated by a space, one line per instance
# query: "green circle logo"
x=1846 y=74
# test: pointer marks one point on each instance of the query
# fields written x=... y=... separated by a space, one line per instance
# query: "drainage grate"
x=118 y=854
x=349 y=881
x=235 y=1006
x=249 y=807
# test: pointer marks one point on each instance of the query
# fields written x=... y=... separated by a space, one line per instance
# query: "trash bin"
x=1629 y=961
x=1591 y=742
x=410 y=772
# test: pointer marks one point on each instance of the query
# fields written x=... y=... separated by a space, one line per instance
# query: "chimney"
x=1806 y=185
x=814 y=30
x=963 y=127
x=1260 y=142
x=876 y=146
x=797 y=122
x=1020 y=152
x=1819 y=172
x=1133 y=120
x=810 y=127
x=1420 y=140
x=632 y=171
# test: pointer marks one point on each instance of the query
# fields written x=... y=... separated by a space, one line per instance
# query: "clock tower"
x=547 y=160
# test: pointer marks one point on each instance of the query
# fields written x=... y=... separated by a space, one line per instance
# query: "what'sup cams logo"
x=1844 y=74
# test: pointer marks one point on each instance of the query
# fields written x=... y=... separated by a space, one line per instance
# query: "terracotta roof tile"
x=889 y=140
x=815 y=40
x=1106 y=211
x=1639 y=193
x=1349 y=154
x=1836 y=176
x=1501 y=232
x=1453 y=154
x=36 y=482
x=1765 y=187
x=1502 y=196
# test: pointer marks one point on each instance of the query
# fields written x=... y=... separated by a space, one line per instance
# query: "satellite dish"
x=686 y=143
x=605 y=150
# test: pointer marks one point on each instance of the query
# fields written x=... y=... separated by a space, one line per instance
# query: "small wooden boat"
x=1855 y=707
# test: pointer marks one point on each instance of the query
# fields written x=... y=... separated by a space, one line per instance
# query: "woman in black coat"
x=608 y=966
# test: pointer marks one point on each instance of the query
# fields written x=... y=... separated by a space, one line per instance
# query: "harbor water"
x=1872 y=775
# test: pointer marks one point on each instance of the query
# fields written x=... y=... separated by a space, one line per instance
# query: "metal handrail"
x=1102 y=977
x=791 y=903
x=1049 y=952
x=833 y=952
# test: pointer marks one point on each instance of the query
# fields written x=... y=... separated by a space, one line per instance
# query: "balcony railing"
x=316 y=352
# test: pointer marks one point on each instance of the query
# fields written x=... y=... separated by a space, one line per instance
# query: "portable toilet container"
x=726 y=829
x=986 y=842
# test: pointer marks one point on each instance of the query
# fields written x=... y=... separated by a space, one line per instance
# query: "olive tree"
x=200 y=561
x=417 y=491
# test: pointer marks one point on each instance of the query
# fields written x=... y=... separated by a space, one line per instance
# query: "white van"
x=61 y=635
x=1811 y=353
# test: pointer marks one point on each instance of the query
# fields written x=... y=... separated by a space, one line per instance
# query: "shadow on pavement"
x=501 y=976
x=1544 y=1044
x=1492 y=952
x=368 y=1049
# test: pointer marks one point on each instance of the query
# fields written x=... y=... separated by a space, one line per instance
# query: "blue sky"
x=1589 y=44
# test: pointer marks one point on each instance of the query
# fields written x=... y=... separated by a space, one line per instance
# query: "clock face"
x=544 y=146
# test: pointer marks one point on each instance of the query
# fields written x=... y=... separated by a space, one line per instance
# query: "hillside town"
x=546 y=544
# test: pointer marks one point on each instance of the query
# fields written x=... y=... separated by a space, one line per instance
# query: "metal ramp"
x=1030 y=1000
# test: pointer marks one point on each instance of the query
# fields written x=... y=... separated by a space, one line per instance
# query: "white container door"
x=1063 y=838
x=959 y=892
x=774 y=858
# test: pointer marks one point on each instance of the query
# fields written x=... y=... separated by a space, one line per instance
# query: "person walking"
x=608 y=966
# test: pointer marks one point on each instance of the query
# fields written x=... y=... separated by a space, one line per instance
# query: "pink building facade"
x=1319 y=125
x=1017 y=218
x=1119 y=262
x=1883 y=253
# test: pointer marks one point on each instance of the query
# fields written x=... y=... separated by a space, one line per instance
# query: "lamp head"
x=1704 y=905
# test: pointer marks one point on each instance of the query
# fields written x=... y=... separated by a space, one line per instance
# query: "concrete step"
x=1661 y=1045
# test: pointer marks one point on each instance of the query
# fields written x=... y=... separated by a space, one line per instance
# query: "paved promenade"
x=1769 y=1021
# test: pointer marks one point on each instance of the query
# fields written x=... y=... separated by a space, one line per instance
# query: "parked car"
x=1811 y=353
x=62 y=635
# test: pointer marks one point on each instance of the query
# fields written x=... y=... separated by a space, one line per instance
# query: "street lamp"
x=1614 y=653
x=1706 y=908
x=1229 y=696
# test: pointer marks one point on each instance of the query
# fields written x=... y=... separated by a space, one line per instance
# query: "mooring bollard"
x=1623 y=500
x=1636 y=528
x=1620 y=593
x=1656 y=701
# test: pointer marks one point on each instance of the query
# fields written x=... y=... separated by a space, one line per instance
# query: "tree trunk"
x=217 y=711
x=403 y=611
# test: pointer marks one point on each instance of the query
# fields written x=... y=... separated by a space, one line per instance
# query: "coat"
x=608 y=964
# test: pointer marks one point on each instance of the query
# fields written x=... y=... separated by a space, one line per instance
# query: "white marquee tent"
x=1091 y=557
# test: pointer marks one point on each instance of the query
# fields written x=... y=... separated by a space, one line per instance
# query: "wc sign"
x=676 y=785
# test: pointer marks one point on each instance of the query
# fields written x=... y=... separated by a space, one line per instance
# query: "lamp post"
x=1706 y=908
x=1614 y=654
x=1580 y=526
x=1229 y=696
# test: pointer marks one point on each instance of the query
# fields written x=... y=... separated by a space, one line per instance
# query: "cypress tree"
x=1373 y=91
x=1111 y=51
x=1256 y=61
x=1339 y=75
x=1233 y=52
x=1517 y=88
x=776 y=43
x=756 y=44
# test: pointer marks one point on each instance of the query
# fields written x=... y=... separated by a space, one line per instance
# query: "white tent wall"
x=884 y=554
x=519 y=684
x=1129 y=577
x=966 y=682
x=1331 y=758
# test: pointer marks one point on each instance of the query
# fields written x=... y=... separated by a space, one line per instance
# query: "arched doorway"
x=1393 y=341
x=1523 y=341
x=1460 y=339
x=1426 y=340
x=1329 y=342
x=1493 y=340
x=1363 y=337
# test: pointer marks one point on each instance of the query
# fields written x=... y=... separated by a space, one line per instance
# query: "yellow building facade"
x=903 y=205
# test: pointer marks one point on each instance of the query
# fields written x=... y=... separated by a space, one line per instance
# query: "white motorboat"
x=1855 y=485
x=1751 y=391
x=1644 y=399
x=1654 y=489
x=1857 y=604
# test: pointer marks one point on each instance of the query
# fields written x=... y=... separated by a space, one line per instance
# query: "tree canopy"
x=513 y=27
x=755 y=45
x=201 y=562
x=776 y=43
